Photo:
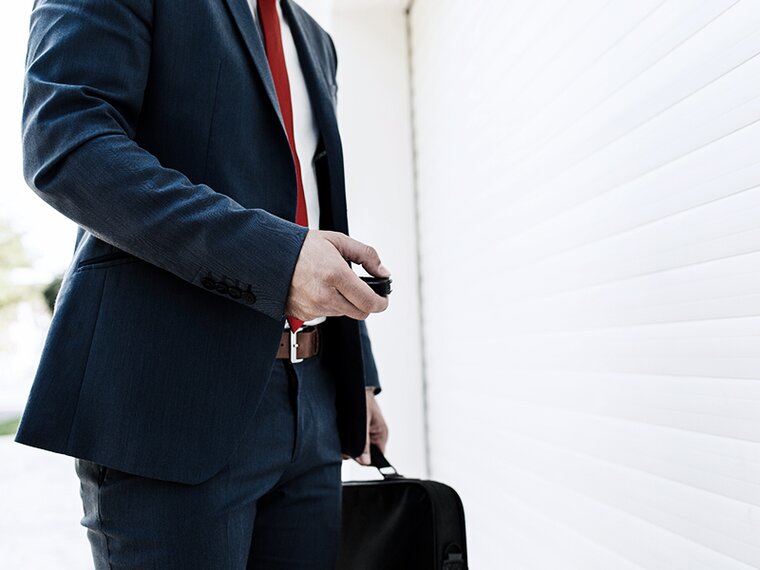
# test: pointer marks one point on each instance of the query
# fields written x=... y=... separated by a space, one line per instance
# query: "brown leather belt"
x=299 y=345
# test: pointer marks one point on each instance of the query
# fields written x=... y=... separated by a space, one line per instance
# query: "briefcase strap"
x=377 y=459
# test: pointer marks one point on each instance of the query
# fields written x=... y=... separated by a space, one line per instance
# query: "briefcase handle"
x=378 y=460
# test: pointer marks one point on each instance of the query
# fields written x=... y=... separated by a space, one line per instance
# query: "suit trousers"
x=275 y=505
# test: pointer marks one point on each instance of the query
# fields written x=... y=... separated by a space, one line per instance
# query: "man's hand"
x=377 y=429
x=324 y=285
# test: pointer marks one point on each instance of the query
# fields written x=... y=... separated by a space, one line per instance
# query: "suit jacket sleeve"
x=86 y=70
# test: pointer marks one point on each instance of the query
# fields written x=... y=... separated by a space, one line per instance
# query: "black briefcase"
x=399 y=523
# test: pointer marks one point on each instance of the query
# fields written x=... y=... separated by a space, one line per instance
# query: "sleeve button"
x=208 y=283
x=234 y=292
x=222 y=288
x=248 y=298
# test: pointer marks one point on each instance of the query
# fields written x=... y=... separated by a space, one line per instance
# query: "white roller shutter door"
x=588 y=177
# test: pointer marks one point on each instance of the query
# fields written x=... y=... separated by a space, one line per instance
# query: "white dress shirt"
x=305 y=127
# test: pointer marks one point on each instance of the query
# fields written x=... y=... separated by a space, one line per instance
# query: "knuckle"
x=332 y=275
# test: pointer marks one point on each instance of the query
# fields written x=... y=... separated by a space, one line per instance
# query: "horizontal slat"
x=588 y=182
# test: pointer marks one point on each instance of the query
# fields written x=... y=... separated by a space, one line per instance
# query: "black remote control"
x=380 y=285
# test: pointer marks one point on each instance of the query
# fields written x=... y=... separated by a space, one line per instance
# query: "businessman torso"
x=166 y=327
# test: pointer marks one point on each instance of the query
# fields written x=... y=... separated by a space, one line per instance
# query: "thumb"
x=360 y=253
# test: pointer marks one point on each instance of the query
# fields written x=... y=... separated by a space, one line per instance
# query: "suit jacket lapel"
x=324 y=111
x=241 y=13
x=316 y=79
x=317 y=86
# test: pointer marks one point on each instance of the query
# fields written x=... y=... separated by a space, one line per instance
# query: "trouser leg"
x=275 y=505
x=297 y=525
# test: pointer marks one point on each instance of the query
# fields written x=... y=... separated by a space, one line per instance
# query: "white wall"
x=589 y=179
x=320 y=10
x=374 y=118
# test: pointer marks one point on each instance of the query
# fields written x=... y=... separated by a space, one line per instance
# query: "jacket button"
x=208 y=283
x=222 y=288
x=234 y=292
x=248 y=298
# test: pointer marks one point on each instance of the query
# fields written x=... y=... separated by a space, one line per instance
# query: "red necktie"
x=270 y=26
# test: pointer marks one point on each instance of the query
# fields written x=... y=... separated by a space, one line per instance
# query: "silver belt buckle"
x=294 y=347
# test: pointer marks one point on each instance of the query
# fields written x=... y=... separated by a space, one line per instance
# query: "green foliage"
x=12 y=256
x=51 y=292
x=9 y=427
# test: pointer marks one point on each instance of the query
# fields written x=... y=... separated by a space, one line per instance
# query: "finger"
x=359 y=252
x=379 y=441
x=339 y=306
x=358 y=293
x=379 y=436
x=365 y=457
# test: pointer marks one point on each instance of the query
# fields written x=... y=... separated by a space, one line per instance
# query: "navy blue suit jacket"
x=154 y=125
